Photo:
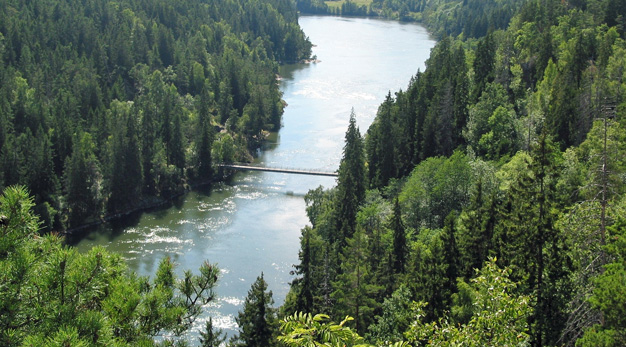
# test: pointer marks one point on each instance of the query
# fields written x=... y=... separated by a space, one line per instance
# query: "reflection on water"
x=252 y=224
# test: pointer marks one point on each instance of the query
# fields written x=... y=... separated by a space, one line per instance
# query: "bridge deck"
x=244 y=167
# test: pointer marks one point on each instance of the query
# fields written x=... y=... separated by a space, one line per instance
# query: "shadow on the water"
x=295 y=195
x=288 y=70
x=205 y=190
x=108 y=231
x=271 y=142
x=115 y=227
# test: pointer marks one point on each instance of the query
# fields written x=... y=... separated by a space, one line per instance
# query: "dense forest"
x=472 y=18
x=484 y=206
x=486 y=201
x=108 y=106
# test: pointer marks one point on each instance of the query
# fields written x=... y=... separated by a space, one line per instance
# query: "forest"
x=107 y=106
x=484 y=206
x=472 y=18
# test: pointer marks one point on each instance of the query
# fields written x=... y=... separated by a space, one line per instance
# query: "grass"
x=337 y=4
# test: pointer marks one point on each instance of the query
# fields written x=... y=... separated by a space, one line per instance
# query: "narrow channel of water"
x=252 y=225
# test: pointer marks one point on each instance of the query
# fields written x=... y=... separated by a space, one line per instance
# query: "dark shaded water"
x=252 y=224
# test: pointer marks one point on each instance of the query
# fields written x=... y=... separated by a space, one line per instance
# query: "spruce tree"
x=450 y=251
x=257 y=321
x=176 y=146
x=475 y=231
x=304 y=301
x=527 y=239
x=126 y=170
x=355 y=294
x=351 y=182
x=380 y=147
x=400 y=248
x=81 y=174
x=204 y=144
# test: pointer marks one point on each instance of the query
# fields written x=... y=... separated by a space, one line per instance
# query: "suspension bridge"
x=248 y=167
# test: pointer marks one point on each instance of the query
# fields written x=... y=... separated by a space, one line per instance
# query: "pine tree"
x=257 y=321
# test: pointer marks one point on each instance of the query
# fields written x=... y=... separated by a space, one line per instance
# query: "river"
x=252 y=224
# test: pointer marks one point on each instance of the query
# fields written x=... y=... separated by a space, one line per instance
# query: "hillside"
x=110 y=106
x=500 y=166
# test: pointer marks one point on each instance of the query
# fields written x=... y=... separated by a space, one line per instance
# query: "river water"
x=252 y=224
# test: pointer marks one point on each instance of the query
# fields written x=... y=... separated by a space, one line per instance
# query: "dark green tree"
x=610 y=288
x=305 y=284
x=380 y=146
x=484 y=64
x=351 y=182
x=400 y=248
x=126 y=170
x=176 y=146
x=355 y=292
x=475 y=231
x=527 y=239
x=450 y=253
x=257 y=322
x=204 y=145
x=211 y=336
x=82 y=181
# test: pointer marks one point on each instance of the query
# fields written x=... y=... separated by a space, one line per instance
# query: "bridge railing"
x=249 y=167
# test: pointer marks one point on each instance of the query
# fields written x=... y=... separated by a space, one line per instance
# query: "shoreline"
x=146 y=205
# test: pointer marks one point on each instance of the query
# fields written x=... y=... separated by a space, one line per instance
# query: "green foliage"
x=449 y=148
x=257 y=322
x=395 y=319
x=400 y=247
x=148 y=82
x=210 y=336
x=479 y=125
x=355 y=290
x=304 y=330
x=499 y=317
x=435 y=188
x=54 y=295
x=608 y=292
x=351 y=181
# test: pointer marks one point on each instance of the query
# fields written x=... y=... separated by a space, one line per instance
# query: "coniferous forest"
x=484 y=206
x=108 y=106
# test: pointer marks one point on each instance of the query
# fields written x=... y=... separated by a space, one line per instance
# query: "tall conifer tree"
x=257 y=321
x=351 y=182
x=400 y=248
